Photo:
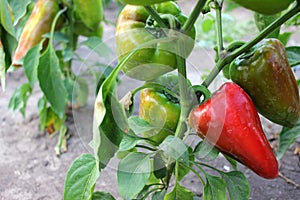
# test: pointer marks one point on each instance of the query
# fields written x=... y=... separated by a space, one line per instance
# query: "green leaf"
x=205 y=152
x=232 y=161
x=5 y=18
x=175 y=148
x=285 y=37
x=9 y=44
x=214 y=189
x=287 y=137
x=18 y=101
x=133 y=172
x=159 y=166
x=102 y=196
x=107 y=133
x=184 y=170
x=179 y=193
x=293 y=54
x=159 y=195
x=128 y=142
x=31 y=63
x=18 y=8
x=139 y=125
x=263 y=21
x=81 y=178
x=237 y=185
x=97 y=45
x=50 y=80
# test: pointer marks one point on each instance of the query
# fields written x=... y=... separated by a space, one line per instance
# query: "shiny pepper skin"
x=267 y=7
x=265 y=74
x=38 y=24
x=159 y=109
x=135 y=28
x=230 y=122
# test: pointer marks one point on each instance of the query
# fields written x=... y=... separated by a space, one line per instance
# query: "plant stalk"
x=218 y=7
x=188 y=25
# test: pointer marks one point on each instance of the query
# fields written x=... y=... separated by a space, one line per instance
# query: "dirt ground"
x=30 y=170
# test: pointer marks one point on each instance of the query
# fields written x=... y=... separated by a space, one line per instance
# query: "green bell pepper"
x=265 y=74
x=267 y=7
x=135 y=28
x=142 y=3
x=160 y=109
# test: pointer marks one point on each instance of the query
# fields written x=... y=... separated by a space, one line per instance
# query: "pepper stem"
x=188 y=25
x=218 y=7
x=156 y=17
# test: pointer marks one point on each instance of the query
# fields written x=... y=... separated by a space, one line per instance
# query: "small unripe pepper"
x=38 y=24
x=265 y=74
x=230 y=122
x=88 y=16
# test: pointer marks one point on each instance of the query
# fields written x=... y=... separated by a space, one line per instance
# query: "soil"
x=30 y=169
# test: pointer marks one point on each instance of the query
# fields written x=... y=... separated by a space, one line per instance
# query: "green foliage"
x=133 y=173
x=179 y=193
x=51 y=83
x=287 y=137
x=81 y=179
x=214 y=189
x=102 y=196
x=18 y=101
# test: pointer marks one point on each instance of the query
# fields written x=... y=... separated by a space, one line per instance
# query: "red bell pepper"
x=229 y=121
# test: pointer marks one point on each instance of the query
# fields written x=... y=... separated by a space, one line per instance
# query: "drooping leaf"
x=214 y=189
x=237 y=185
x=293 y=54
x=31 y=63
x=179 y=193
x=102 y=196
x=18 y=9
x=287 y=137
x=133 y=172
x=175 y=148
x=81 y=178
x=18 y=101
x=50 y=80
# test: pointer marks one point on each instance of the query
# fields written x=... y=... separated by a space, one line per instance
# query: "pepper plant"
x=226 y=120
x=154 y=40
x=42 y=37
